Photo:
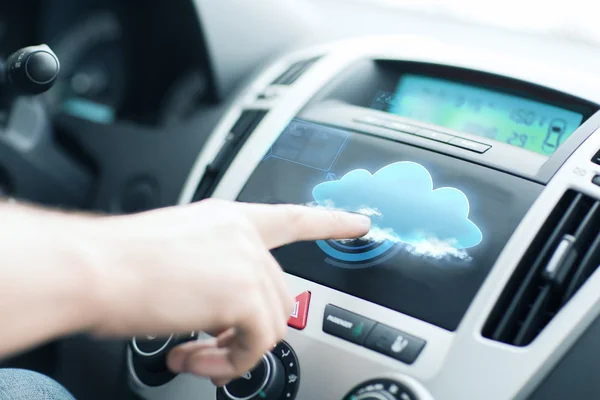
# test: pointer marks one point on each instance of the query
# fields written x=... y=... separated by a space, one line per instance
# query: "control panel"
x=372 y=335
x=459 y=192
x=275 y=377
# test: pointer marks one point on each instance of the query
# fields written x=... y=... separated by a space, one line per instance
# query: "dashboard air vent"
x=562 y=256
x=232 y=144
x=294 y=72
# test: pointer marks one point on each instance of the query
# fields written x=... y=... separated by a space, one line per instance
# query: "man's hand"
x=207 y=267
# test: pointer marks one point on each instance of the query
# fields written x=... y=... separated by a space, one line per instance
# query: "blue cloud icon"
x=406 y=204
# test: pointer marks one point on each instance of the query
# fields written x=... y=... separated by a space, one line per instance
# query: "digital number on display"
x=520 y=122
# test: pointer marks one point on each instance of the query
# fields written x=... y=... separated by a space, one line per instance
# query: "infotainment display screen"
x=510 y=119
x=439 y=223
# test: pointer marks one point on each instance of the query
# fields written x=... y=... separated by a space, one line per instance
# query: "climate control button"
x=394 y=343
x=380 y=389
x=149 y=356
x=265 y=381
x=288 y=358
x=275 y=377
x=251 y=383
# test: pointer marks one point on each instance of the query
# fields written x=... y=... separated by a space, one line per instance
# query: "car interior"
x=468 y=132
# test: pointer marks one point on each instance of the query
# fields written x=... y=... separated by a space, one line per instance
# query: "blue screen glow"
x=404 y=207
x=514 y=120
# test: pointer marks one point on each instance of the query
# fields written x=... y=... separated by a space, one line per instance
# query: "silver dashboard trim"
x=144 y=354
x=449 y=357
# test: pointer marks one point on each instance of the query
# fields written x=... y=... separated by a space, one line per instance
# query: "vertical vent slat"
x=589 y=263
x=564 y=253
x=294 y=72
x=239 y=133
x=519 y=299
x=588 y=226
x=535 y=318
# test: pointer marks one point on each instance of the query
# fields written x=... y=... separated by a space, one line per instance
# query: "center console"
x=480 y=180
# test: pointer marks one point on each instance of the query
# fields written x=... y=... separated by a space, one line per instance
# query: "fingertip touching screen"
x=439 y=223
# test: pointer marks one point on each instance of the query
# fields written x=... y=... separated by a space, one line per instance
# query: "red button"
x=300 y=314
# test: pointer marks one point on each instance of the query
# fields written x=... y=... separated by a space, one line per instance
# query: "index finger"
x=281 y=224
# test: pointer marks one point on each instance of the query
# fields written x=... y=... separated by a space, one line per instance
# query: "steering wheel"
x=73 y=163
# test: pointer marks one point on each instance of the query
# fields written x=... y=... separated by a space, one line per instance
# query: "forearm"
x=48 y=286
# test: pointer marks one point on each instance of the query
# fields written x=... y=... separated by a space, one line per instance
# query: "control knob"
x=380 y=389
x=151 y=350
x=265 y=381
x=375 y=396
x=149 y=356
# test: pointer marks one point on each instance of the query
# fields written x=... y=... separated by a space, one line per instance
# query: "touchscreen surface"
x=439 y=223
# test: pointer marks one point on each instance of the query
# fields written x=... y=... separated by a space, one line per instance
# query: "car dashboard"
x=411 y=128
x=475 y=152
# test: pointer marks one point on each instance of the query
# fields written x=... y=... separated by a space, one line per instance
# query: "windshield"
x=563 y=20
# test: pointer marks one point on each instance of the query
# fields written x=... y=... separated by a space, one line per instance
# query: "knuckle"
x=243 y=223
x=244 y=244
x=228 y=215
x=252 y=253
x=229 y=317
x=232 y=222
x=237 y=314
x=227 y=311
x=244 y=293
x=252 y=304
x=335 y=216
x=238 y=231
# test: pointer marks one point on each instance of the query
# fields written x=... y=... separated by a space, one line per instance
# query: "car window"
x=565 y=20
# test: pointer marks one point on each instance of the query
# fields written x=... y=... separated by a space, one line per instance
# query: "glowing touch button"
x=300 y=314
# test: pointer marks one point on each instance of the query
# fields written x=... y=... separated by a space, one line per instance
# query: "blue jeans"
x=19 y=384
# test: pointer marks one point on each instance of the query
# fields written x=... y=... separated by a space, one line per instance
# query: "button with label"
x=394 y=343
x=299 y=316
x=470 y=145
x=150 y=344
x=434 y=135
x=371 y=121
x=346 y=325
x=399 y=126
x=249 y=384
